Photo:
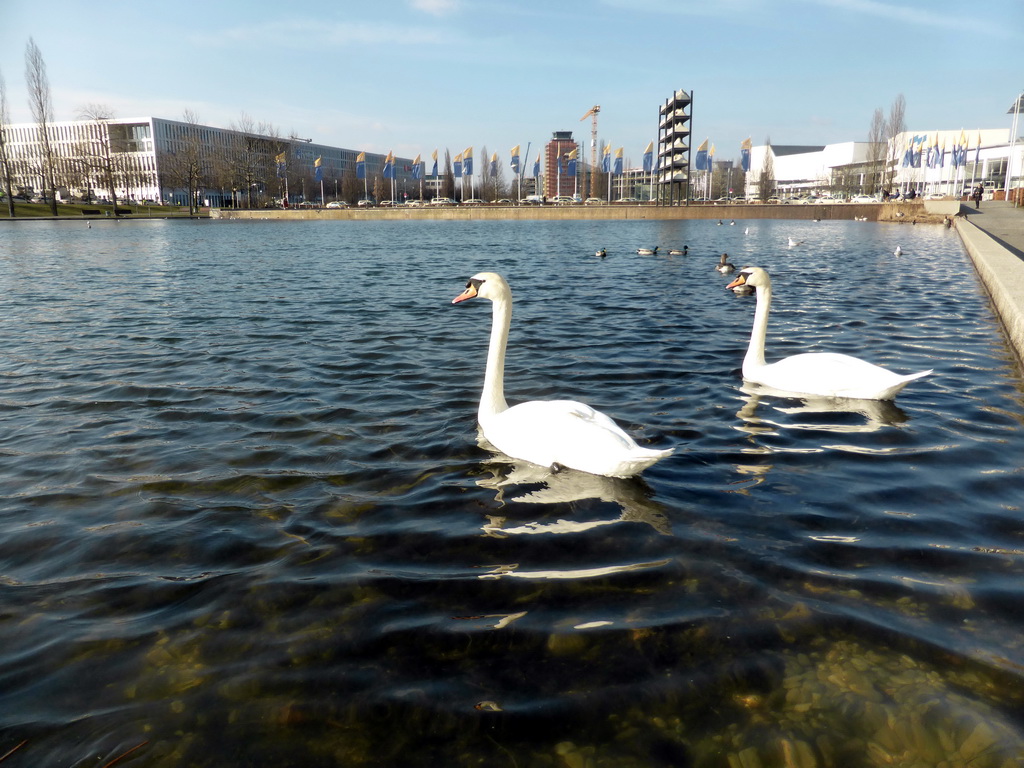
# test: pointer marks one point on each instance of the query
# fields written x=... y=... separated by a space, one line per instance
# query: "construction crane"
x=591 y=113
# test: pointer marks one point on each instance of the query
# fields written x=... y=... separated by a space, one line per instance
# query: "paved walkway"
x=994 y=237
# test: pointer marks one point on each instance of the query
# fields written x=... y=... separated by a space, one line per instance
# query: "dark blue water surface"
x=244 y=519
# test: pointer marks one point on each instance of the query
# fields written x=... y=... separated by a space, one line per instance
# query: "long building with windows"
x=169 y=161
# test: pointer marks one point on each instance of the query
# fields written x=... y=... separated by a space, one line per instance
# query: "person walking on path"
x=976 y=197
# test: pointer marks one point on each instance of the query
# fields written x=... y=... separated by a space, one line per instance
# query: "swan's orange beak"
x=469 y=293
x=740 y=280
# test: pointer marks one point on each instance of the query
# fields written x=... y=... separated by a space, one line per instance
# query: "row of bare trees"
x=883 y=158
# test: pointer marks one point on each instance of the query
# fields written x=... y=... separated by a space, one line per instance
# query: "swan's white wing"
x=831 y=375
x=570 y=434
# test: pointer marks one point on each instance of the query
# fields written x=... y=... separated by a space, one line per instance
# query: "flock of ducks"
x=567 y=433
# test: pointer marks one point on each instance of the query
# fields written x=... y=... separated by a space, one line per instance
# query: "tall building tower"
x=561 y=144
x=674 y=148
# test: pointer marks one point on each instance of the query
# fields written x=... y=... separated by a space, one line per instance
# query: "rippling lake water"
x=244 y=519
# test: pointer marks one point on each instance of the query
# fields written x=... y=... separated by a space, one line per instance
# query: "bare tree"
x=766 y=181
x=351 y=185
x=41 y=104
x=247 y=157
x=96 y=155
x=5 y=161
x=876 y=151
x=185 y=164
x=448 y=184
x=894 y=126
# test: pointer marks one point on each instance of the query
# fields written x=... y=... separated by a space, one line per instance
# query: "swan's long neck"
x=755 y=350
x=492 y=401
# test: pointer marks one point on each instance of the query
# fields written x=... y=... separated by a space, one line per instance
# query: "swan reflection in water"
x=521 y=482
x=838 y=414
x=805 y=414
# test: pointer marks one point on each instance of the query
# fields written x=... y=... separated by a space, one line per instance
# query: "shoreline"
x=928 y=212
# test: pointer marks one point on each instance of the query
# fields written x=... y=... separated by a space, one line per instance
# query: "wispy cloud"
x=923 y=15
x=728 y=9
x=307 y=33
x=435 y=7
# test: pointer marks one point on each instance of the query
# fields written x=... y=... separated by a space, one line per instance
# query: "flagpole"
x=1013 y=145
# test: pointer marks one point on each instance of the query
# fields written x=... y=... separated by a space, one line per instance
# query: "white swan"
x=824 y=374
x=550 y=433
x=794 y=243
x=724 y=266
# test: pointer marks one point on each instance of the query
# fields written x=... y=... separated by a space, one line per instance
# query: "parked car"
x=863 y=199
x=365 y=203
x=563 y=200
x=442 y=201
x=473 y=201
x=627 y=200
x=532 y=200
x=337 y=204
x=593 y=201
x=386 y=203
x=503 y=201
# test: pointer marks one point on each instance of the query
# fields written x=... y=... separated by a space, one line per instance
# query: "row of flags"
x=920 y=151
x=462 y=163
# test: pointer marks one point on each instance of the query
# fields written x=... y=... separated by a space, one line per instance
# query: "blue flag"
x=458 y=166
x=467 y=162
x=649 y=158
x=514 y=162
x=361 y=165
x=745 y=155
x=319 y=172
x=702 y=157
x=618 y=161
x=536 y=168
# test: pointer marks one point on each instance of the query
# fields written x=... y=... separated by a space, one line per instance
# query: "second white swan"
x=822 y=374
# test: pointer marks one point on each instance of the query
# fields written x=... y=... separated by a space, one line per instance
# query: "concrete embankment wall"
x=1002 y=274
x=870 y=211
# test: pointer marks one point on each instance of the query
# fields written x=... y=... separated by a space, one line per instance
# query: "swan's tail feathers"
x=892 y=391
x=641 y=459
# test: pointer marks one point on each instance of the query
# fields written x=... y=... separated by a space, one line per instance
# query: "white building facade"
x=812 y=170
x=142 y=158
x=952 y=162
x=945 y=162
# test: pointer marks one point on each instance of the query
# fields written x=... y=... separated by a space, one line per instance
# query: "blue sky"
x=415 y=75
